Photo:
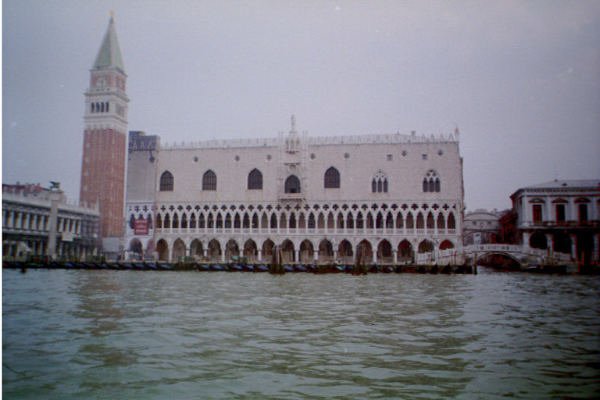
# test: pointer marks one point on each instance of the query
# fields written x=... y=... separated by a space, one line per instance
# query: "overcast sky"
x=521 y=80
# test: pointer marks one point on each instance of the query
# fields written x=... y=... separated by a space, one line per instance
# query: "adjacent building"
x=39 y=221
x=561 y=216
x=481 y=227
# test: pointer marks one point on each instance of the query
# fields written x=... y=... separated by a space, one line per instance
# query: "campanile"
x=104 y=143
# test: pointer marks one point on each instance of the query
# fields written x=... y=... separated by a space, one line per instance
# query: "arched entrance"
x=307 y=253
x=426 y=246
x=287 y=252
x=538 y=241
x=214 y=251
x=405 y=251
x=231 y=250
x=197 y=251
x=178 y=250
x=250 y=251
x=446 y=244
x=135 y=249
x=364 y=253
x=345 y=253
x=267 y=250
x=162 y=249
x=384 y=253
x=325 y=251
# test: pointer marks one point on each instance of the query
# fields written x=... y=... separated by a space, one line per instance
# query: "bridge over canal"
x=523 y=255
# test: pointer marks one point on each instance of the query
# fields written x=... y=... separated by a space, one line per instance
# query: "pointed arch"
x=179 y=249
x=232 y=249
x=345 y=252
x=184 y=221
x=214 y=250
x=451 y=224
x=255 y=180
x=420 y=221
x=273 y=221
x=167 y=182
x=331 y=178
x=292 y=184
x=430 y=223
x=441 y=223
x=306 y=252
x=264 y=221
x=325 y=251
x=162 y=248
x=405 y=251
x=209 y=180
x=384 y=252
x=267 y=250
x=250 y=250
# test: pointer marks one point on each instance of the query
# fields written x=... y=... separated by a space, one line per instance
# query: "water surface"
x=183 y=335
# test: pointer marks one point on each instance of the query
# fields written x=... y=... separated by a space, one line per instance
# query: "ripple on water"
x=126 y=334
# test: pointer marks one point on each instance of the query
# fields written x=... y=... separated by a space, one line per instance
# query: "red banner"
x=140 y=227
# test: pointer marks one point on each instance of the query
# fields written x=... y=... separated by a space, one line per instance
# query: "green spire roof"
x=110 y=53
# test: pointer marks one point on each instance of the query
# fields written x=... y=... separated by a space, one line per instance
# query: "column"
x=296 y=255
x=395 y=255
x=573 y=246
x=54 y=199
x=550 y=243
x=259 y=255
x=316 y=256
x=526 y=240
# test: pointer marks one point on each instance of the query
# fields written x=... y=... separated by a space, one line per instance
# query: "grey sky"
x=520 y=79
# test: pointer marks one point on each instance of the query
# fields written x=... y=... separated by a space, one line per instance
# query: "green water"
x=179 y=335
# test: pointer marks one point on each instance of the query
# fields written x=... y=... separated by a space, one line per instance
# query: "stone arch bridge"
x=523 y=255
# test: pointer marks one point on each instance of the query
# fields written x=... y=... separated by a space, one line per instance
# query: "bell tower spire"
x=105 y=133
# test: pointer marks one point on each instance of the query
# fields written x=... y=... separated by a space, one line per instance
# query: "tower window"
x=209 y=180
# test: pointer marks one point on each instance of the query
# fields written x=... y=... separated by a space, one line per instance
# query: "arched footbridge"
x=524 y=255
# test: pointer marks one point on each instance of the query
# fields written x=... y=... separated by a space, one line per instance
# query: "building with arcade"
x=386 y=198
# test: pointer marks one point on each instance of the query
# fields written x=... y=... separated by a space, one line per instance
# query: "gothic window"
x=209 y=180
x=166 y=182
x=292 y=184
x=93 y=107
x=332 y=178
x=255 y=180
x=107 y=106
x=431 y=182
x=379 y=183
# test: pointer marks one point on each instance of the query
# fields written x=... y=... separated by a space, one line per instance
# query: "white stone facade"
x=29 y=217
x=561 y=216
x=318 y=199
